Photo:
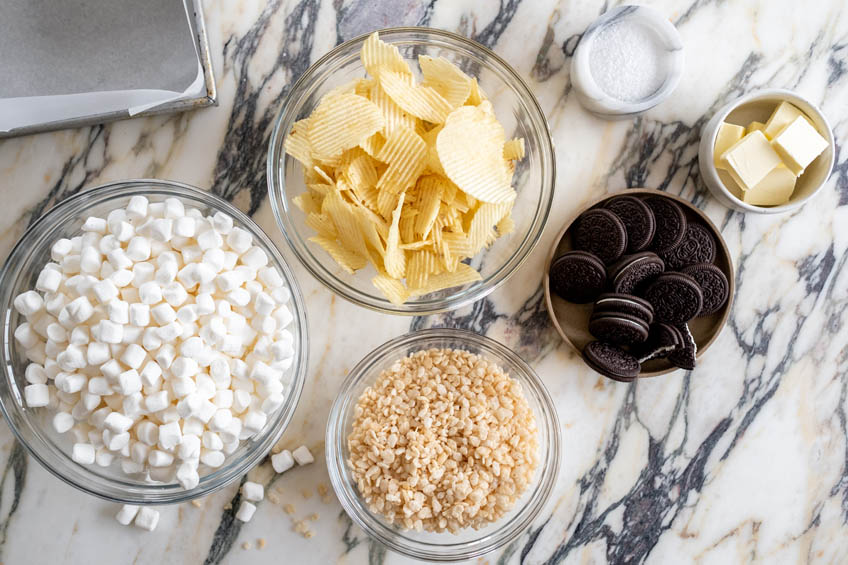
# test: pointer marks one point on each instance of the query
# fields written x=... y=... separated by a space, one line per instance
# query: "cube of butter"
x=727 y=135
x=750 y=159
x=783 y=115
x=754 y=126
x=798 y=144
x=774 y=190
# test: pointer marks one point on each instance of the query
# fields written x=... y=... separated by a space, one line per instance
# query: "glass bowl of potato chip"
x=411 y=170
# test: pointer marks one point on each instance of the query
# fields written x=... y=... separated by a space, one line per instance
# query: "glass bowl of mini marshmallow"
x=154 y=345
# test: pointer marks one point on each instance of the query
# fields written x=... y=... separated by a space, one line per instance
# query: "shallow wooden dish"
x=572 y=320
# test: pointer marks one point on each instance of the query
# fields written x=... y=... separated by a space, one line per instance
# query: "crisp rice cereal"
x=443 y=440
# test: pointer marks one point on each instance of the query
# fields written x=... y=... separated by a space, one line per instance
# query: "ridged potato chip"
x=420 y=101
x=413 y=178
x=340 y=122
x=446 y=79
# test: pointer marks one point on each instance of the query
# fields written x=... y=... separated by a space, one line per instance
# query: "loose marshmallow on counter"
x=147 y=518
x=126 y=514
x=282 y=461
x=245 y=511
x=302 y=455
x=158 y=337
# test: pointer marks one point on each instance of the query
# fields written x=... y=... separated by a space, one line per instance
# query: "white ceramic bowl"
x=592 y=97
x=758 y=106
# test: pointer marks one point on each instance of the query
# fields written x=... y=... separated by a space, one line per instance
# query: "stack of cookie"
x=649 y=271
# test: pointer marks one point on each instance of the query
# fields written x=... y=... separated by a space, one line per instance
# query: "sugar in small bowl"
x=628 y=61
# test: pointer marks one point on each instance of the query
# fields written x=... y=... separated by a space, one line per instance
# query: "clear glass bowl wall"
x=515 y=107
x=443 y=546
x=33 y=427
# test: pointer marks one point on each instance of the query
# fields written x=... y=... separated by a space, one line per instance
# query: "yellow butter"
x=754 y=126
x=774 y=190
x=727 y=135
x=783 y=115
x=750 y=159
x=798 y=144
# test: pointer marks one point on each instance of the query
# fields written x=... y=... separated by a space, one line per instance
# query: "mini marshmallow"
x=302 y=455
x=150 y=293
x=189 y=447
x=174 y=294
x=94 y=224
x=151 y=374
x=282 y=461
x=272 y=402
x=79 y=336
x=241 y=401
x=147 y=518
x=137 y=208
x=121 y=278
x=106 y=244
x=78 y=310
x=184 y=227
x=72 y=358
x=270 y=277
x=157 y=401
x=71 y=265
x=57 y=333
x=238 y=297
x=163 y=313
x=63 y=422
x=223 y=223
x=118 y=312
x=223 y=399
x=232 y=433
x=60 y=249
x=126 y=514
x=109 y=331
x=28 y=303
x=138 y=249
x=169 y=435
x=209 y=239
x=117 y=422
x=253 y=421
x=142 y=273
x=139 y=315
x=150 y=339
x=255 y=258
x=111 y=369
x=239 y=240
x=170 y=332
x=212 y=441
x=133 y=356
x=264 y=304
x=253 y=492
x=159 y=458
x=35 y=374
x=174 y=208
x=161 y=229
x=191 y=253
x=36 y=395
x=89 y=260
x=97 y=353
x=166 y=274
x=99 y=386
x=212 y=459
x=147 y=432
x=245 y=511
x=26 y=336
x=119 y=259
x=123 y=231
x=187 y=476
x=129 y=382
x=139 y=451
x=83 y=453
x=215 y=258
x=165 y=355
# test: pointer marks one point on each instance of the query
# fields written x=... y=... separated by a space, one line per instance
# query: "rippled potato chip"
x=414 y=178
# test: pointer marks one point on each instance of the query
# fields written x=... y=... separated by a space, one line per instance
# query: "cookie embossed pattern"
x=660 y=308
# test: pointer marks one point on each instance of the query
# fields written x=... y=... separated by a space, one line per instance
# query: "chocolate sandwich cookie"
x=638 y=220
x=670 y=221
x=676 y=298
x=619 y=329
x=578 y=276
x=698 y=246
x=631 y=272
x=611 y=361
x=663 y=339
x=684 y=357
x=624 y=304
x=713 y=285
x=601 y=232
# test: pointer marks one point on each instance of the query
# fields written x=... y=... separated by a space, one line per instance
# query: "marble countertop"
x=742 y=460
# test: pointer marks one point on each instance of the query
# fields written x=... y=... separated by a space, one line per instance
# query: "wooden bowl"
x=572 y=320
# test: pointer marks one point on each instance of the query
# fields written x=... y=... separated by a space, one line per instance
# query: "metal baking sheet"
x=80 y=62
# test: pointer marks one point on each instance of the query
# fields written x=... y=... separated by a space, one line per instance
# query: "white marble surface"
x=742 y=460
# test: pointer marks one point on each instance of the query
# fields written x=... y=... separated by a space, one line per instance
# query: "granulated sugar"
x=626 y=60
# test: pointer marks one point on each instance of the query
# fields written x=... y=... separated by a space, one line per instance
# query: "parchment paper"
x=63 y=59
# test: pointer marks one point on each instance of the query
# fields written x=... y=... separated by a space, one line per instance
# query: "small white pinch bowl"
x=592 y=97
x=758 y=106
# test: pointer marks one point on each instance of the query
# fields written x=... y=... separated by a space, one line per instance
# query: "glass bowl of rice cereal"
x=443 y=445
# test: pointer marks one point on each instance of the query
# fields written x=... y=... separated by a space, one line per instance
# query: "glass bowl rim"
x=82 y=477
x=504 y=533
x=280 y=207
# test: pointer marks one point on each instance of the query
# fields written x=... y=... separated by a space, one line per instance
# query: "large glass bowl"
x=468 y=543
x=32 y=426
x=515 y=107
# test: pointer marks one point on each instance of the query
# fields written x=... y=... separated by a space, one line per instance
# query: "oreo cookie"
x=624 y=304
x=611 y=361
x=638 y=220
x=676 y=298
x=698 y=246
x=684 y=357
x=714 y=286
x=578 y=276
x=619 y=329
x=602 y=233
x=663 y=339
x=671 y=223
x=631 y=272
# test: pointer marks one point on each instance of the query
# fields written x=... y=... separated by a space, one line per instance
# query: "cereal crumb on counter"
x=313 y=517
x=308 y=534
x=306 y=493
x=300 y=526
x=260 y=543
x=245 y=545
x=197 y=503
x=322 y=489
x=273 y=498
x=289 y=509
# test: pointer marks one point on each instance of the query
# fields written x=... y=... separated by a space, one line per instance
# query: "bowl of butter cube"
x=767 y=152
x=154 y=345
